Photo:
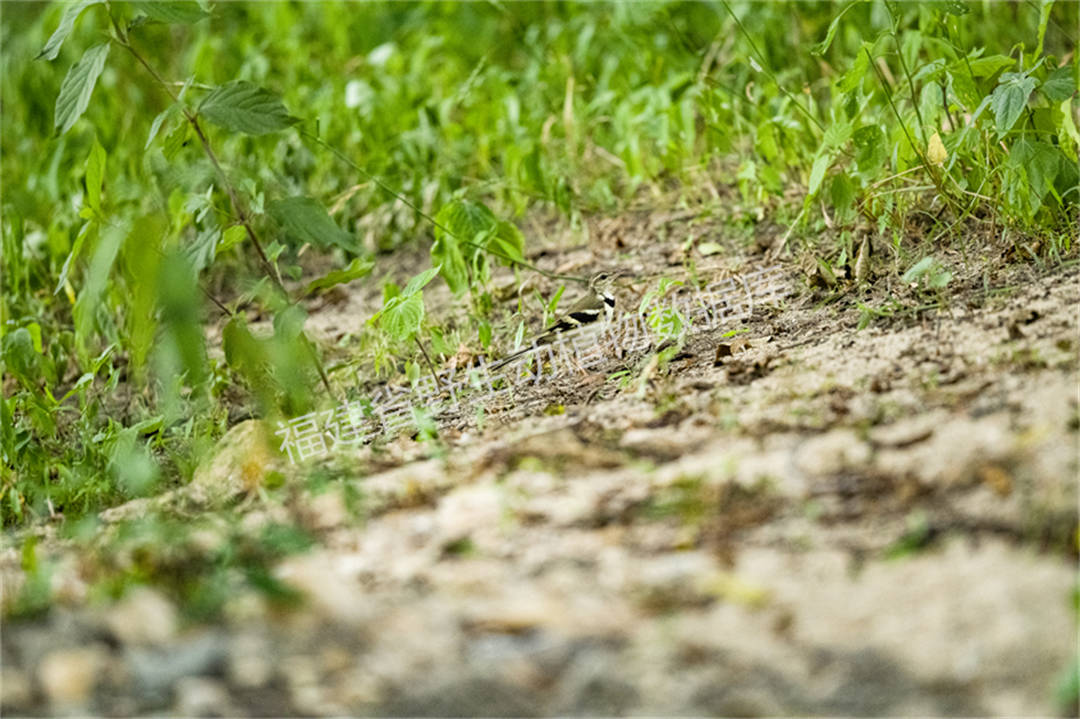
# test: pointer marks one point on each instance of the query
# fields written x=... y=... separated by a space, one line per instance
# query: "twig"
x=241 y=213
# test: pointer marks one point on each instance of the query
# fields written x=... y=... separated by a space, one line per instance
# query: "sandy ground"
x=822 y=520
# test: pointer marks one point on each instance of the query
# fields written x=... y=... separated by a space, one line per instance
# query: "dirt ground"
x=813 y=519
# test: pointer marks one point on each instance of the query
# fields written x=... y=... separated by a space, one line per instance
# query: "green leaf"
x=289 y=323
x=403 y=317
x=243 y=351
x=155 y=126
x=507 y=243
x=836 y=134
x=307 y=221
x=822 y=46
x=843 y=195
x=855 y=73
x=956 y=7
x=446 y=253
x=1009 y=99
x=95 y=176
x=78 y=86
x=817 y=173
x=988 y=66
x=175 y=140
x=1044 y=18
x=1040 y=162
x=1060 y=85
x=243 y=107
x=96 y=282
x=182 y=12
x=181 y=347
x=88 y=230
x=19 y=355
x=67 y=24
x=35 y=334
x=465 y=220
x=231 y=237
x=420 y=281
x=359 y=267
x=918 y=270
x=870 y=149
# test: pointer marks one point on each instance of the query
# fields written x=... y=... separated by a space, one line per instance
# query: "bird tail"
x=510 y=358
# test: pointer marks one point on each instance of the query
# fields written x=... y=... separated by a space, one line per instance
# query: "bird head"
x=603 y=283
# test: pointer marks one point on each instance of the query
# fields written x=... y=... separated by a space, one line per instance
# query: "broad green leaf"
x=95 y=176
x=359 y=267
x=842 y=193
x=836 y=134
x=817 y=173
x=243 y=351
x=201 y=251
x=1040 y=160
x=509 y=243
x=446 y=253
x=155 y=126
x=988 y=66
x=870 y=149
x=35 y=334
x=67 y=24
x=96 y=282
x=402 y=319
x=78 y=86
x=175 y=140
x=420 y=281
x=1067 y=126
x=243 y=107
x=465 y=220
x=1009 y=99
x=231 y=237
x=307 y=220
x=855 y=73
x=920 y=268
x=963 y=86
x=289 y=323
x=19 y=355
x=142 y=265
x=182 y=12
x=181 y=349
x=1060 y=85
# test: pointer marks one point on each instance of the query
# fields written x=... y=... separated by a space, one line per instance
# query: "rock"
x=248 y=663
x=202 y=697
x=68 y=676
x=155 y=671
x=836 y=451
x=240 y=462
x=144 y=616
x=325 y=511
x=308 y=688
x=673 y=581
x=15 y=690
x=466 y=510
x=328 y=586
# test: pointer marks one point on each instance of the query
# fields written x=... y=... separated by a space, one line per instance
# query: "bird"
x=597 y=303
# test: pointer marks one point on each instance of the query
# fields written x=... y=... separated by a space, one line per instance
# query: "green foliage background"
x=442 y=123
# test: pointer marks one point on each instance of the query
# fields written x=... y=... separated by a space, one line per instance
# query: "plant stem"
x=767 y=71
x=234 y=198
x=430 y=365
